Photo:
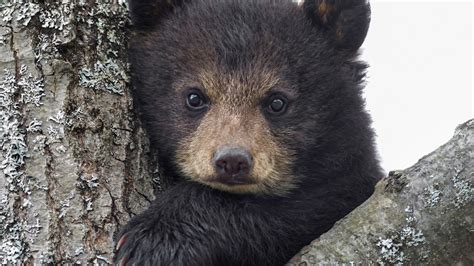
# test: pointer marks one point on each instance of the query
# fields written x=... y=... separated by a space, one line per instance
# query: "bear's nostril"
x=221 y=166
x=232 y=163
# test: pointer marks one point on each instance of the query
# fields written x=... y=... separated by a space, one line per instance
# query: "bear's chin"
x=278 y=186
x=250 y=186
x=231 y=181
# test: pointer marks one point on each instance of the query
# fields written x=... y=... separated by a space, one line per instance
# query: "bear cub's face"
x=246 y=96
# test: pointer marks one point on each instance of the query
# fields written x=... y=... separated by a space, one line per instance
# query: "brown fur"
x=235 y=120
x=324 y=11
x=339 y=34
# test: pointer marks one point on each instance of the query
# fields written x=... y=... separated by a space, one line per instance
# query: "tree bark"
x=421 y=215
x=75 y=163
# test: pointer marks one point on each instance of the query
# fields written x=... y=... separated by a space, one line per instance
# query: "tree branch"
x=421 y=215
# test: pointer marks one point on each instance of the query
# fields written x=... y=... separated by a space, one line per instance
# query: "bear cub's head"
x=255 y=96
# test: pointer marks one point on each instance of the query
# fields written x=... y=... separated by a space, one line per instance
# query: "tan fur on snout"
x=235 y=119
x=222 y=127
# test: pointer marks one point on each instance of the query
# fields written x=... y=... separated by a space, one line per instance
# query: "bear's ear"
x=345 y=21
x=146 y=14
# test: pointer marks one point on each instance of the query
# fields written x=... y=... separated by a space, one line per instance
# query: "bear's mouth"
x=231 y=180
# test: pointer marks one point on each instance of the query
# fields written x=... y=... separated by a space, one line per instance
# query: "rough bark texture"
x=74 y=163
x=421 y=215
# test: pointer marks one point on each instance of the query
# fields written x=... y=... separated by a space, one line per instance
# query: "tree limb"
x=421 y=215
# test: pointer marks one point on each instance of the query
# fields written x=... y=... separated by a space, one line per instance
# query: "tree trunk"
x=421 y=215
x=74 y=162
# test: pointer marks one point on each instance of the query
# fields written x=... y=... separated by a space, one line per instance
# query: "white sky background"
x=420 y=77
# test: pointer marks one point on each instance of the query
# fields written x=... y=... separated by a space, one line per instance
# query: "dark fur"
x=326 y=126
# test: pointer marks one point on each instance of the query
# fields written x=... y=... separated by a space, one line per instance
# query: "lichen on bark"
x=75 y=163
x=421 y=215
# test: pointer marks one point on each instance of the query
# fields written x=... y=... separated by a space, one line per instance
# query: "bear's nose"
x=233 y=165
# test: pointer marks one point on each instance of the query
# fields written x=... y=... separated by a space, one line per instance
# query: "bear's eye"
x=195 y=100
x=277 y=105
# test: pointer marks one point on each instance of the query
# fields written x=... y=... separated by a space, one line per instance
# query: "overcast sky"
x=420 y=80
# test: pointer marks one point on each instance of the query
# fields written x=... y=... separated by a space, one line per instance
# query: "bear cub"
x=255 y=107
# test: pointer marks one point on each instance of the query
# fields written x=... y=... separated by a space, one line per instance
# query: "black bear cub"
x=256 y=107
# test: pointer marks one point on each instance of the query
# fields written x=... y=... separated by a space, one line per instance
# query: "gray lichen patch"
x=390 y=251
x=393 y=248
x=464 y=192
x=432 y=195
x=46 y=257
x=28 y=90
x=16 y=91
x=88 y=181
x=109 y=76
x=105 y=20
x=35 y=126
x=12 y=244
x=46 y=47
x=56 y=16
x=5 y=33
x=59 y=123
x=55 y=130
x=19 y=13
x=12 y=135
x=105 y=72
x=32 y=89
x=66 y=204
